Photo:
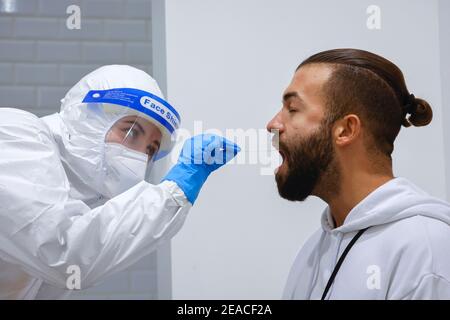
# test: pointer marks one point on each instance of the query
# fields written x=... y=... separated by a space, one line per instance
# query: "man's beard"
x=305 y=163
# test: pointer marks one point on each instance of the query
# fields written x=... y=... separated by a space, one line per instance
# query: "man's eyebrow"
x=289 y=95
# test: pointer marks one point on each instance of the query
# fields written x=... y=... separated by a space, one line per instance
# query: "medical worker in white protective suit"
x=72 y=188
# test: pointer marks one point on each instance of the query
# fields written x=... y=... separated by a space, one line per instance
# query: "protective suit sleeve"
x=44 y=231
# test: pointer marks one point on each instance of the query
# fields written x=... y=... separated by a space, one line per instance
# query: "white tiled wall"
x=40 y=59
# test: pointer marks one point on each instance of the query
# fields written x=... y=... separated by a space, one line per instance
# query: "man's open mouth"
x=282 y=154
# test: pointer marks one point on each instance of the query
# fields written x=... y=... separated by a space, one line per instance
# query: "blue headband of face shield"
x=155 y=108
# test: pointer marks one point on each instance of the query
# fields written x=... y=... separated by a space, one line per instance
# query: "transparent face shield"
x=135 y=128
x=139 y=136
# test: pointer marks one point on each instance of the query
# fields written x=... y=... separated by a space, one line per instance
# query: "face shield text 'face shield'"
x=139 y=128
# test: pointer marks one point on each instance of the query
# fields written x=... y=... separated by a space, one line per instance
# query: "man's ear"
x=346 y=130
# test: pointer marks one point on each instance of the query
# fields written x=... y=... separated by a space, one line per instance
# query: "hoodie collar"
x=394 y=200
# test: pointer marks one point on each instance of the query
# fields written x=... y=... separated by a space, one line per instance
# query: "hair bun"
x=420 y=112
x=411 y=104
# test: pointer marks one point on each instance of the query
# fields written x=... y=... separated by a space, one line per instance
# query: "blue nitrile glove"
x=201 y=155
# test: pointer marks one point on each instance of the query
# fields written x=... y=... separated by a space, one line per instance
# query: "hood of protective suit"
x=81 y=126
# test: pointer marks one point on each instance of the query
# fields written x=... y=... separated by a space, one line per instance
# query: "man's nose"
x=275 y=124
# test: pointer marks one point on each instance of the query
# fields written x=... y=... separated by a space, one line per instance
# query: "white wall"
x=444 y=34
x=228 y=62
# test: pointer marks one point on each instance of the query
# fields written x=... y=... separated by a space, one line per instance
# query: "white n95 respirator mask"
x=123 y=168
x=136 y=127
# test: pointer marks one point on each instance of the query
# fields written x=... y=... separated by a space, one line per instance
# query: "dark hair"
x=374 y=88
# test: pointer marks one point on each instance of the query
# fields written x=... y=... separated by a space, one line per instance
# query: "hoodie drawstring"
x=341 y=260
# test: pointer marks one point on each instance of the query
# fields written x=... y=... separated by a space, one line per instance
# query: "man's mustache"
x=278 y=144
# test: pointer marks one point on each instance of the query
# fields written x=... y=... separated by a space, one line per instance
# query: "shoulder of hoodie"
x=424 y=235
x=420 y=229
x=419 y=237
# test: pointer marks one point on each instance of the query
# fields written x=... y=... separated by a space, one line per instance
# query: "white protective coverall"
x=52 y=214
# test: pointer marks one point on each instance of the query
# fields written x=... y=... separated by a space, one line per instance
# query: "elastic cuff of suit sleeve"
x=189 y=178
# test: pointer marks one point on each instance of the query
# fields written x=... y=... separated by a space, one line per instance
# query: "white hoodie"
x=405 y=253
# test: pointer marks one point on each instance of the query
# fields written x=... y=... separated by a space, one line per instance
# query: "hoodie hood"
x=395 y=200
